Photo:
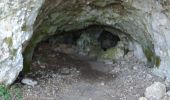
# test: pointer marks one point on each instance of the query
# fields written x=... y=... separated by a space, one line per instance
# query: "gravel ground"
x=64 y=76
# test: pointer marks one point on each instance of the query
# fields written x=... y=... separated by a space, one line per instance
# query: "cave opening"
x=86 y=40
x=92 y=51
x=93 y=43
x=87 y=50
x=92 y=60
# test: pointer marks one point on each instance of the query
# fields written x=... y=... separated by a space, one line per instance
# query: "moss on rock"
x=111 y=54
x=8 y=41
x=152 y=59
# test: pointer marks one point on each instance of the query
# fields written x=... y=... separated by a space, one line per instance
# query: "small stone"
x=102 y=83
x=123 y=62
x=156 y=91
x=168 y=93
x=114 y=75
x=167 y=83
x=87 y=2
x=166 y=98
x=109 y=62
x=65 y=71
x=149 y=76
x=135 y=67
x=43 y=66
x=30 y=82
x=142 y=98
x=78 y=71
x=54 y=75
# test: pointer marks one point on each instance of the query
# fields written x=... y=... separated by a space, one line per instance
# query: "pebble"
x=135 y=67
x=29 y=82
x=43 y=66
x=149 y=76
x=142 y=98
x=65 y=71
x=102 y=83
x=167 y=83
x=108 y=62
x=168 y=93
x=123 y=62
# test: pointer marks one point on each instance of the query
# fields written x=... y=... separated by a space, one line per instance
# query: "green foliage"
x=16 y=93
x=13 y=93
x=4 y=93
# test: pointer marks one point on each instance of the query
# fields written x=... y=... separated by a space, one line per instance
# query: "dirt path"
x=68 y=77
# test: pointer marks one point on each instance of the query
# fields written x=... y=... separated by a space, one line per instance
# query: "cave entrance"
x=87 y=50
x=88 y=42
x=94 y=63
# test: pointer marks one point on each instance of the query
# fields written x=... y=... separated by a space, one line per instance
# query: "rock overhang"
x=145 y=22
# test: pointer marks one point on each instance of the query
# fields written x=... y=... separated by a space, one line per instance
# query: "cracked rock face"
x=145 y=23
x=14 y=16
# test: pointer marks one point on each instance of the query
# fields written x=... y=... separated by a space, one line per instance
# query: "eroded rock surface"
x=145 y=24
x=16 y=26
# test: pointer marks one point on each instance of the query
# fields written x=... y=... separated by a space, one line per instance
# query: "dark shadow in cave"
x=108 y=40
x=55 y=55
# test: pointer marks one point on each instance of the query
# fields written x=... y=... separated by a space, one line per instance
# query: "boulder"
x=156 y=91
x=16 y=27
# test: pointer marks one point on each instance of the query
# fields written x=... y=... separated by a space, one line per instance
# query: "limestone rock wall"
x=16 y=26
x=155 y=22
x=144 y=22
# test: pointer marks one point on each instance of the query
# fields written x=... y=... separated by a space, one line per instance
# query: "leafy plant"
x=4 y=93
x=16 y=93
x=12 y=93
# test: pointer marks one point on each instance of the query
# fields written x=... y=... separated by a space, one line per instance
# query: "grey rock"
x=166 y=98
x=156 y=91
x=65 y=71
x=16 y=27
x=142 y=98
x=29 y=82
x=168 y=93
x=108 y=62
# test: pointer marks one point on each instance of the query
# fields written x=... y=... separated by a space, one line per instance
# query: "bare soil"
x=63 y=75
